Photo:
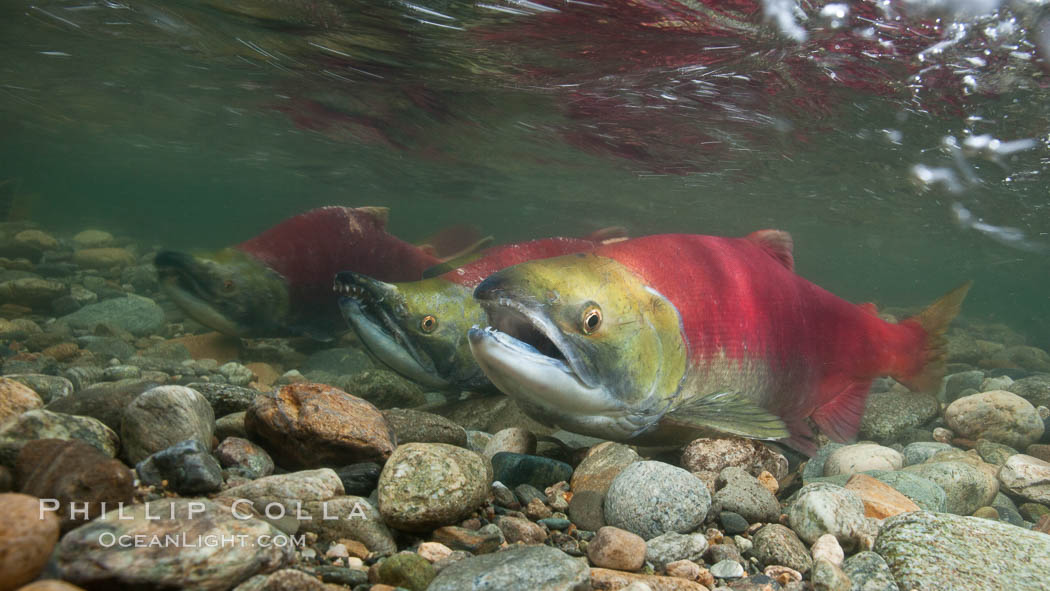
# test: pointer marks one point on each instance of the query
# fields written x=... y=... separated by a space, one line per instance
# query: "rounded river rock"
x=426 y=485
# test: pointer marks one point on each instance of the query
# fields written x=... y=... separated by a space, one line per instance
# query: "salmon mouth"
x=532 y=333
x=372 y=308
x=177 y=273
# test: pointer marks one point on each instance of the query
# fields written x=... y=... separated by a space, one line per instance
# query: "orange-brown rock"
x=880 y=499
x=603 y=579
x=16 y=398
x=768 y=481
x=211 y=345
x=355 y=548
x=1043 y=525
x=616 y=548
x=62 y=351
x=265 y=375
x=315 y=425
x=73 y=472
x=27 y=536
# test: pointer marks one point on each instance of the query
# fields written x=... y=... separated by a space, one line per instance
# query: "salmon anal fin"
x=839 y=417
x=869 y=307
x=778 y=244
x=934 y=321
x=730 y=413
x=380 y=214
x=801 y=436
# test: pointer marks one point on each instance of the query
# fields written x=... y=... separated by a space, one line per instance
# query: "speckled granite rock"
x=888 y=414
x=778 y=545
x=999 y=416
x=867 y=571
x=84 y=556
x=651 y=498
x=929 y=551
x=527 y=568
x=427 y=485
x=822 y=508
x=966 y=486
x=43 y=424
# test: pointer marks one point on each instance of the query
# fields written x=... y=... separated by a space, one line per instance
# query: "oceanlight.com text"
x=110 y=540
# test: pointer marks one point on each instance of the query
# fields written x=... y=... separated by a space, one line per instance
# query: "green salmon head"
x=229 y=291
x=583 y=342
x=417 y=328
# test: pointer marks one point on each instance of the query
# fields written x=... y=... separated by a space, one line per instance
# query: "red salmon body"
x=310 y=248
x=740 y=301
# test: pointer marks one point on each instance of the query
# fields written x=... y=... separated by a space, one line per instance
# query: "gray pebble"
x=652 y=498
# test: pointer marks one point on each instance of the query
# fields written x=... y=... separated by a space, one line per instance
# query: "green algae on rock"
x=955 y=553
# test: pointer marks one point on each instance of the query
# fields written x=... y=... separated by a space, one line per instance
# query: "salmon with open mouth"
x=662 y=339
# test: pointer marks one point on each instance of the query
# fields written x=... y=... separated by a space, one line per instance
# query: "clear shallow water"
x=198 y=124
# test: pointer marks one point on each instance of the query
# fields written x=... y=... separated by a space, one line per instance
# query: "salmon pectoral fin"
x=934 y=321
x=730 y=413
x=839 y=417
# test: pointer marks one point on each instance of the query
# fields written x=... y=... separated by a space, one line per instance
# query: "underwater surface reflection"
x=903 y=144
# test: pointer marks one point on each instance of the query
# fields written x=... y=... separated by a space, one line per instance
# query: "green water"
x=198 y=124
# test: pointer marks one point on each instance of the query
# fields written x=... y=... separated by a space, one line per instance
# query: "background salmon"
x=279 y=282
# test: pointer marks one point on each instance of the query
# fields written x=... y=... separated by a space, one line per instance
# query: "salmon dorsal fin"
x=469 y=253
x=777 y=243
x=446 y=266
x=728 y=412
x=608 y=235
x=380 y=214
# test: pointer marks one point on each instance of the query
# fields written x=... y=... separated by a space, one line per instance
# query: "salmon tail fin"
x=934 y=321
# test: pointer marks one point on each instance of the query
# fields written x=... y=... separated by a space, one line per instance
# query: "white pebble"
x=828 y=548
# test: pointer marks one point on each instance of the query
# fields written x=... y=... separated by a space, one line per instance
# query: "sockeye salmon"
x=664 y=338
x=419 y=328
x=279 y=283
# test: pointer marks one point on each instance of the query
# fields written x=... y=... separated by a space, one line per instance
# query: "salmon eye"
x=591 y=320
x=428 y=323
x=228 y=285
